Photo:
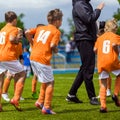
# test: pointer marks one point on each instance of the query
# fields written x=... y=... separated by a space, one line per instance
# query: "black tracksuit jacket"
x=85 y=20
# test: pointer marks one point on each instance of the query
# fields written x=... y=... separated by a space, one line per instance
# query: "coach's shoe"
x=38 y=105
x=116 y=100
x=5 y=97
x=103 y=110
x=47 y=111
x=94 y=101
x=74 y=99
x=15 y=104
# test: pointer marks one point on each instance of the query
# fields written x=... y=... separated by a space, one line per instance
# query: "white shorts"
x=27 y=68
x=104 y=74
x=43 y=72
x=12 y=66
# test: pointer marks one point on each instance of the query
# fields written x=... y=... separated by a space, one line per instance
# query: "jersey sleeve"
x=32 y=31
x=13 y=34
x=56 y=38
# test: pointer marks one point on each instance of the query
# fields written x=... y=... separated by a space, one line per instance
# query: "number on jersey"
x=106 y=46
x=2 y=37
x=43 y=36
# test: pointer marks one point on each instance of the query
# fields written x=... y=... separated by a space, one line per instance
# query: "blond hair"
x=111 y=26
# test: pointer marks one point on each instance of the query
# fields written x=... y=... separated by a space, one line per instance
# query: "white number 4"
x=43 y=36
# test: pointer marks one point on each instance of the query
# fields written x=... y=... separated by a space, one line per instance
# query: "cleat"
x=5 y=97
x=94 y=101
x=47 y=111
x=108 y=93
x=15 y=104
x=73 y=99
x=103 y=110
x=34 y=95
x=116 y=100
x=21 y=98
x=38 y=105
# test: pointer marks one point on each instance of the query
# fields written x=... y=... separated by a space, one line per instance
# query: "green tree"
x=117 y=17
x=71 y=28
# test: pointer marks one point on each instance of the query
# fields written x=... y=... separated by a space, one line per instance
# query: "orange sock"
x=14 y=85
x=18 y=91
x=109 y=83
x=48 y=96
x=0 y=95
x=103 y=88
x=6 y=85
x=42 y=93
x=34 y=84
x=117 y=86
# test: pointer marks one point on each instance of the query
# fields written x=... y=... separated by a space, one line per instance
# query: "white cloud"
x=107 y=2
x=32 y=3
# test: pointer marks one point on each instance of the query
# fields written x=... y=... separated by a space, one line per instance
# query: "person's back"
x=106 y=48
x=85 y=20
x=108 y=58
x=9 y=38
x=45 y=43
x=41 y=43
x=5 y=53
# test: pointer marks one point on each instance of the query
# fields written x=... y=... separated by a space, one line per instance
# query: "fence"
x=60 y=64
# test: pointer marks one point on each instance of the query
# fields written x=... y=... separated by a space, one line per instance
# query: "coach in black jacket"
x=85 y=36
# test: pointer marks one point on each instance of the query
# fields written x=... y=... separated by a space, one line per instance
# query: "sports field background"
x=64 y=109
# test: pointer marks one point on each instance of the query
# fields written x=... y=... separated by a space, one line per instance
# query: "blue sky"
x=36 y=10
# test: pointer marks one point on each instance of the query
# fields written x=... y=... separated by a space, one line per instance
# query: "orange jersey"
x=7 y=49
x=44 y=36
x=107 y=58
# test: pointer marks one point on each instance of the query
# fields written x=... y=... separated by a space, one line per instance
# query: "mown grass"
x=65 y=110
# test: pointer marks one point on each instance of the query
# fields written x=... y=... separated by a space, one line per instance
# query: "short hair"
x=111 y=26
x=54 y=15
x=10 y=16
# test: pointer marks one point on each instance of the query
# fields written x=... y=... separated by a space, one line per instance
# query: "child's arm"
x=15 y=40
x=54 y=48
x=29 y=37
x=95 y=50
x=115 y=47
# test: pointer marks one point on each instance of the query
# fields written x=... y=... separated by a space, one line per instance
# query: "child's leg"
x=42 y=93
x=20 y=78
x=108 y=86
x=1 y=84
x=7 y=82
x=34 y=84
x=49 y=95
x=116 y=91
x=117 y=86
x=109 y=83
x=103 y=87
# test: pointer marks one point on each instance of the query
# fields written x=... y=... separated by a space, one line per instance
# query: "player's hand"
x=101 y=6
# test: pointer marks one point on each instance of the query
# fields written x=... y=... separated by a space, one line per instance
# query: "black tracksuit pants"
x=86 y=71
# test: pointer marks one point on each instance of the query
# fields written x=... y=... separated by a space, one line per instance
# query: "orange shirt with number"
x=44 y=36
x=107 y=58
x=7 y=49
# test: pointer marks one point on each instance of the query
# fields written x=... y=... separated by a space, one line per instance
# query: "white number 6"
x=106 y=46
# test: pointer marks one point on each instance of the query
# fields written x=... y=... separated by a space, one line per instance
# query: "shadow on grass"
x=78 y=110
